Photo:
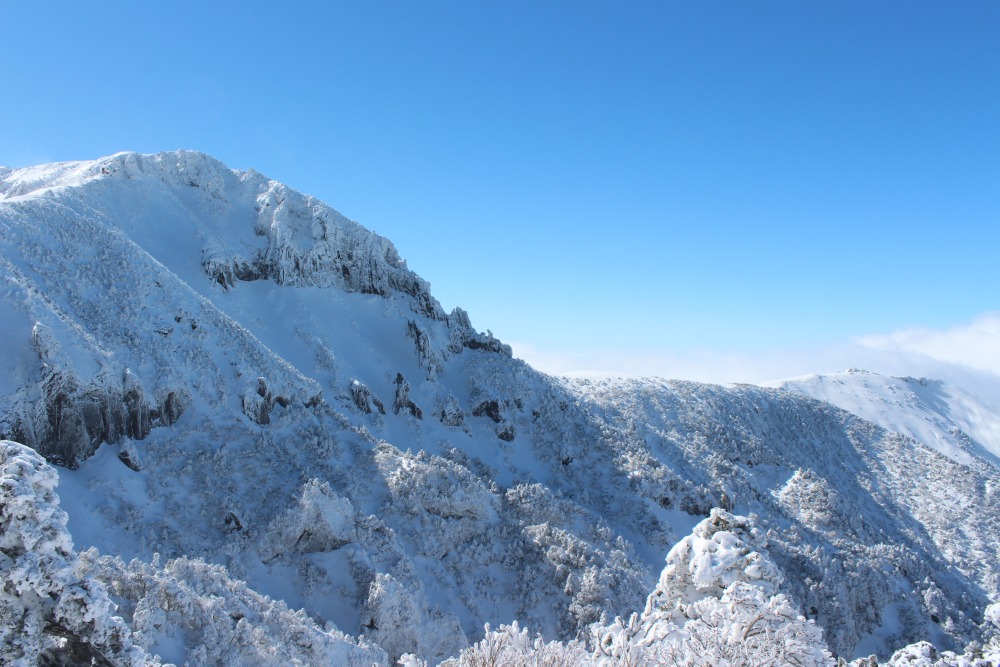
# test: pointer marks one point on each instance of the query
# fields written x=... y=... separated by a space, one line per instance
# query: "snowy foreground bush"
x=718 y=603
x=47 y=612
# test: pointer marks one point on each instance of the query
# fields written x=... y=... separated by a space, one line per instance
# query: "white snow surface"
x=236 y=379
x=955 y=422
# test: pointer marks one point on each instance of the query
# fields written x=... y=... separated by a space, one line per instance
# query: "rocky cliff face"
x=65 y=418
x=240 y=374
x=110 y=265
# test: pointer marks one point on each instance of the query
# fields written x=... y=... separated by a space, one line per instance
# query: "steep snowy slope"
x=942 y=416
x=229 y=370
x=869 y=526
x=254 y=357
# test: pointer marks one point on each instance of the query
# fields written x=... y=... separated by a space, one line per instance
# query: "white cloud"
x=702 y=365
x=975 y=345
x=966 y=355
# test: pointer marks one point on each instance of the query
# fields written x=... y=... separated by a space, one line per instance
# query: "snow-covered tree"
x=47 y=612
x=717 y=603
x=194 y=612
x=320 y=521
x=512 y=646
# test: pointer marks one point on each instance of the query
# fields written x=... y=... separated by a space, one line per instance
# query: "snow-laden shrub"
x=743 y=627
x=449 y=503
x=448 y=410
x=589 y=577
x=46 y=611
x=716 y=554
x=992 y=616
x=924 y=654
x=717 y=602
x=320 y=520
x=811 y=498
x=747 y=627
x=392 y=614
x=399 y=623
x=194 y=612
x=512 y=646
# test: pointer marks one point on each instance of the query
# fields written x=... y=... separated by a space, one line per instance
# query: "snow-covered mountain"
x=257 y=408
x=960 y=425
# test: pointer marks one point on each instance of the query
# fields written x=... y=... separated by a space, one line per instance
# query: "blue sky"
x=633 y=185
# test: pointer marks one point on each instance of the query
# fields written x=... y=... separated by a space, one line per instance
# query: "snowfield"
x=960 y=425
x=273 y=446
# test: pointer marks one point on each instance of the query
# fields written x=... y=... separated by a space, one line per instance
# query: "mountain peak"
x=230 y=370
x=250 y=227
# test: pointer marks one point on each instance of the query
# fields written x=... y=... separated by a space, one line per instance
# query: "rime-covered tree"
x=46 y=611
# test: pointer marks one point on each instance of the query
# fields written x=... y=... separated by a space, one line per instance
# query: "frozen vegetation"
x=275 y=447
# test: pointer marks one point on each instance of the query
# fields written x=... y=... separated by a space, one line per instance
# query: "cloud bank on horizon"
x=967 y=353
x=975 y=345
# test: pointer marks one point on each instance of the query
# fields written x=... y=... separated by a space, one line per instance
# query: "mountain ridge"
x=951 y=420
x=213 y=356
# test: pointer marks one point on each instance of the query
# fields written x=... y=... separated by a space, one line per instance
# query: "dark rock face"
x=126 y=457
x=66 y=418
x=226 y=272
x=137 y=425
x=258 y=403
x=364 y=399
x=308 y=243
x=497 y=412
x=451 y=413
x=506 y=432
x=403 y=401
x=488 y=343
x=489 y=409
x=62 y=436
x=426 y=356
x=173 y=407
x=67 y=422
x=232 y=522
x=464 y=336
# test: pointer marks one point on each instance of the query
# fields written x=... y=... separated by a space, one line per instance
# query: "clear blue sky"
x=580 y=176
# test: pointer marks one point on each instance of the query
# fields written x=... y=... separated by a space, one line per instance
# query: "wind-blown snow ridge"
x=300 y=240
x=242 y=383
x=941 y=416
